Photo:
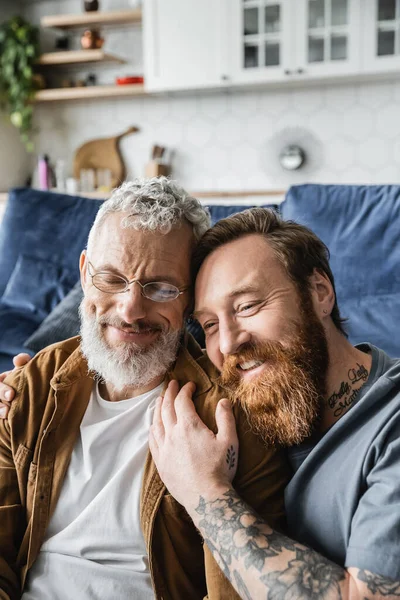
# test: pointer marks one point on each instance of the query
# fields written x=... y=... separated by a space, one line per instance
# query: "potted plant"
x=19 y=49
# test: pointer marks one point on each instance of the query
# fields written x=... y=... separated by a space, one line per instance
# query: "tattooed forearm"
x=260 y=562
x=380 y=585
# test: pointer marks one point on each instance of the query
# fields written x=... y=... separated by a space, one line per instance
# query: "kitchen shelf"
x=93 y=19
x=74 y=57
x=94 y=91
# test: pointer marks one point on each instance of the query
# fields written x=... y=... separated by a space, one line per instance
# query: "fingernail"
x=3 y=413
x=8 y=395
x=224 y=402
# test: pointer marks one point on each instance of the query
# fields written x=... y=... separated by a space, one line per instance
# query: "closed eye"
x=249 y=308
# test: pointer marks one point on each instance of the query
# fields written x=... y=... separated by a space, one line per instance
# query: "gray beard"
x=128 y=365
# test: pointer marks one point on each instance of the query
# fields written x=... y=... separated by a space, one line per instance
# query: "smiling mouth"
x=249 y=365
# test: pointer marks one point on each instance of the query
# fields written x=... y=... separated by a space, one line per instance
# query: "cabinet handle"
x=300 y=71
x=224 y=77
x=288 y=72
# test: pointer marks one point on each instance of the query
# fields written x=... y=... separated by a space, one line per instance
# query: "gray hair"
x=156 y=204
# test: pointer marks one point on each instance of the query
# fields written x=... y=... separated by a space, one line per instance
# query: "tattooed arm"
x=262 y=563
x=198 y=467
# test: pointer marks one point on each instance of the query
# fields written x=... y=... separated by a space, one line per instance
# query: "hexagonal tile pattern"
x=221 y=137
x=339 y=98
x=358 y=123
x=325 y=124
x=376 y=95
x=274 y=102
x=340 y=154
x=388 y=121
x=215 y=105
x=199 y=131
x=229 y=132
x=306 y=102
x=374 y=153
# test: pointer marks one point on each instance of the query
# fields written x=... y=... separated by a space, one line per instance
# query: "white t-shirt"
x=94 y=546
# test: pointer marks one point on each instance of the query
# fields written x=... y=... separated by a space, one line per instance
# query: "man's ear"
x=322 y=293
x=83 y=268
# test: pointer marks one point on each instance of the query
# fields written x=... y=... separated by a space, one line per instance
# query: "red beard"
x=283 y=403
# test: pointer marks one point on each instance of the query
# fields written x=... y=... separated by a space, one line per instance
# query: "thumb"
x=21 y=359
x=226 y=421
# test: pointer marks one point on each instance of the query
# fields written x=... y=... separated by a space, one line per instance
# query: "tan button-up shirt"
x=36 y=444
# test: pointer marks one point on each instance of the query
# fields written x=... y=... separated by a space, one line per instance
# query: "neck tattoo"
x=341 y=400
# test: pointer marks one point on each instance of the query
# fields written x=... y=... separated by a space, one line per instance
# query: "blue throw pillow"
x=360 y=224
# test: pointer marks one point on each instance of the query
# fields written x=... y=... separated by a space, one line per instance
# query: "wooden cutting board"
x=103 y=153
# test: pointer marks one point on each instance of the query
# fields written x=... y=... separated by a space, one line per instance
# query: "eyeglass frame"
x=128 y=283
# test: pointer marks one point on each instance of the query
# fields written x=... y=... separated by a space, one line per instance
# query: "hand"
x=192 y=460
x=6 y=392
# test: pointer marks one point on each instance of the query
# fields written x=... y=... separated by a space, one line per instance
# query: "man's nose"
x=232 y=337
x=131 y=304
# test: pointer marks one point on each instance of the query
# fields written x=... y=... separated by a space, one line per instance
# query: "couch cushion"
x=62 y=323
x=37 y=285
x=41 y=237
x=49 y=226
x=361 y=227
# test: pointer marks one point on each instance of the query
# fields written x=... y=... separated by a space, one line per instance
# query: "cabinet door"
x=184 y=42
x=328 y=37
x=382 y=35
x=261 y=40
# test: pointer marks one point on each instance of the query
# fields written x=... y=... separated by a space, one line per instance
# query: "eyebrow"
x=156 y=278
x=246 y=289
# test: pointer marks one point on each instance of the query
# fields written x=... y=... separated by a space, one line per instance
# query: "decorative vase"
x=91 y=39
x=90 y=5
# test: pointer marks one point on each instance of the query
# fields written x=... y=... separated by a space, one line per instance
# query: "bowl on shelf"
x=129 y=80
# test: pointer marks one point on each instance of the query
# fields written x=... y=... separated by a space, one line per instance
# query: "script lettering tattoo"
x=380 y=585
x=231 y=458
x=234 y=532
x=344 y=389
x=341 y=400
x=344 y=404
x=359 y=374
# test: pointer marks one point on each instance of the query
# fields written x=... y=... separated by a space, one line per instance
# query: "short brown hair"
x=297 y=248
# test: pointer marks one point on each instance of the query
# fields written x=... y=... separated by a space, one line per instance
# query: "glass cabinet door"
x=382 y=35
x=328 y=35
x=260 y=28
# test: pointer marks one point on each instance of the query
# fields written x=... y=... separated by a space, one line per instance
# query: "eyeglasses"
x=158 y=291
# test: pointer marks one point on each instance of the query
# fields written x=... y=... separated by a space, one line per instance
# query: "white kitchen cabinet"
x=261 y=43
x=185 y=44
x=214 y=43
x=382 y=36
x=274 y=40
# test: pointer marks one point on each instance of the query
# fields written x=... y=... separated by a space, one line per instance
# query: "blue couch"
x=42 y=234
x=41 y=237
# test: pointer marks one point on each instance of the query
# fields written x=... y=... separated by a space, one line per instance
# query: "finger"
x=21 y=359
x=6 y=393
x=226 y=422
x=168 y=413
x=4 y=410
x=4 y=375
x=158 y=425
x=185 y=408
x=153 y=446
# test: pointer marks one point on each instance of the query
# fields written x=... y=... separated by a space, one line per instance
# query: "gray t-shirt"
x=344 y=498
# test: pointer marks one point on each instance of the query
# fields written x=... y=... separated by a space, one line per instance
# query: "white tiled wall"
x=351 y=134
x=231 y=140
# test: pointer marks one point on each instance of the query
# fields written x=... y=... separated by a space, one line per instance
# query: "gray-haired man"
x=83 y=511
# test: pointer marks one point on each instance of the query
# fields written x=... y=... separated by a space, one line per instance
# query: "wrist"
x=211 y=494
